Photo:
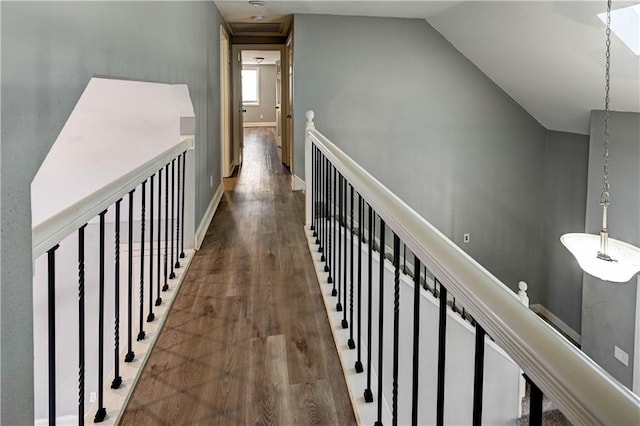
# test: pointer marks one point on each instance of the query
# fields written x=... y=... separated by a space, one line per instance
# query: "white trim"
x=208 y=216
x=365 y=413
x=130 y=372
x=562 y=326
x=59 y=226
x=636 y=349
x=259 y=124
x=308 y=205
x=225 y=101
x=297 y=184
x=62 y=420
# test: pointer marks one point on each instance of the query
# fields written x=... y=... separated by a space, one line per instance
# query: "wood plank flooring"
x=247 y=340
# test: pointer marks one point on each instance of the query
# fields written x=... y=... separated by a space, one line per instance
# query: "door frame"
x=226 y=151
x=236 y=95
x=279 y=91
x=289 y=128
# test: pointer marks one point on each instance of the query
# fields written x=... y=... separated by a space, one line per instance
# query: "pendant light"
x=599 y=255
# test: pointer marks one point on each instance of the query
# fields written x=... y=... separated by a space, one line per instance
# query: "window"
x=250 y=86
x=625 y=23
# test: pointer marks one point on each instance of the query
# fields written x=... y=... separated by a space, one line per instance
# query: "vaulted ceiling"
x=547 y=55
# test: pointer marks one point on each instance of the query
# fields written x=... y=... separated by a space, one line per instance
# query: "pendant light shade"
x=624 y=260
x=599 y=255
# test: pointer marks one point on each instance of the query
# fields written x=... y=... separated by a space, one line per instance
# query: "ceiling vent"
x=255 y=28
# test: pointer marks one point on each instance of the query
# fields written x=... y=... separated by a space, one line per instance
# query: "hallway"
x=247 y=340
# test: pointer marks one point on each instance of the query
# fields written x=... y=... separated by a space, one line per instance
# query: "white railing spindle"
x=307 y=168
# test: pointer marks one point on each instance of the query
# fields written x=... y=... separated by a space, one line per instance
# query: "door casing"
x=226 y=149
x=236 y=103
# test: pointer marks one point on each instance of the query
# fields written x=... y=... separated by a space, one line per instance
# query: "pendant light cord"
x=604 y=197
x=626 y=263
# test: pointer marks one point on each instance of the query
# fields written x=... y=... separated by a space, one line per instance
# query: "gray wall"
x=565 y=197
x=49 y=53
x=405 y=104
x=609 y=309
x=267 y=98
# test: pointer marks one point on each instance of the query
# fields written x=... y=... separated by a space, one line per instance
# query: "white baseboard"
x=62 y=420
x=116 y=400
x=259 y=124
x=208 y=216
x=365 y=413
x=232 y=166
x=541 y=310
x=297 y=184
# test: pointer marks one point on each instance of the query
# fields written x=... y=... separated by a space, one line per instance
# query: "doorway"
x=260 y=95
x=261 y=92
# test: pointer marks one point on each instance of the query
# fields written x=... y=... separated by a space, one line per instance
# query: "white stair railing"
x=112 y=237
x=581 y=389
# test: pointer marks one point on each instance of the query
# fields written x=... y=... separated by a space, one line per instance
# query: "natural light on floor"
x=625 y=23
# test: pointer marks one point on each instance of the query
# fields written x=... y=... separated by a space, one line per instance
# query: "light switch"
x=621 y=355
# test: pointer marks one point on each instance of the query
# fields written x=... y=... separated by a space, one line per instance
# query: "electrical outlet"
x=621 y=355
x=92 y=397
x=465 y=238
x=261 y=116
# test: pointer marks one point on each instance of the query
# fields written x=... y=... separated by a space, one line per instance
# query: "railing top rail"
x=119 y=133
x=584 y=392
x=59 y=226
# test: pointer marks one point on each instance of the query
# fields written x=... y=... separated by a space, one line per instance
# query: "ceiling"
x=270 y=57
x=240 y=9
x=547 y=55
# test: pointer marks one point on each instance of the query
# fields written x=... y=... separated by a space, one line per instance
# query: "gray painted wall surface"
x=49 y=53
x=405 y=104
x=609 y=309
x=267 y=98
x=565 y=196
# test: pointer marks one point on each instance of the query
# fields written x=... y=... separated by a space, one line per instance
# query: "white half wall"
x=501 y=375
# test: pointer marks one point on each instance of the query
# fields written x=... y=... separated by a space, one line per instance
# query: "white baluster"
x=522 y=293
x=309 y=125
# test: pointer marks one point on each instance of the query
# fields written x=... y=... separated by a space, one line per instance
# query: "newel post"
x=309 y=125
x=524 y=299
x=522 y=293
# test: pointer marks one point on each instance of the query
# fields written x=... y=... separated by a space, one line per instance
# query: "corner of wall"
x=208 y=216
x=297 y=184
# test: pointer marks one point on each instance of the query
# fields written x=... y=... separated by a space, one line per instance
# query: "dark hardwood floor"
x=247 y=340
